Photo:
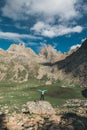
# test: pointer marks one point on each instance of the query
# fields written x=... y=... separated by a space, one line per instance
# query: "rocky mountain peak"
x=50 y=53
x=73 y=50
x=21 y=50
x=47 y=50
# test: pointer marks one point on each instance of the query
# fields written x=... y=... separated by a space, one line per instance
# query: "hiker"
x=42 y=94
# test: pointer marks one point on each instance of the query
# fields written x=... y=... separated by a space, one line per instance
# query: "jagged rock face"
x=48 y=51
x=76 y=64
x=51 y=54
x=72 y=51
x=21 y=50
x=84 y=45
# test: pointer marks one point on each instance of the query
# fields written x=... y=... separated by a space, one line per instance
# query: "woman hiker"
x=42 y=94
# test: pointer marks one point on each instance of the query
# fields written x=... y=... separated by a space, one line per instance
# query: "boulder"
x=40 y=107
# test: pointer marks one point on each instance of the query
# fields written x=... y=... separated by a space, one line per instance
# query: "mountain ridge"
x=19 y=63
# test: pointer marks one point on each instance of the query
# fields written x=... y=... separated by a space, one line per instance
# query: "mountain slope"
x=76 y=64
x=20 y=64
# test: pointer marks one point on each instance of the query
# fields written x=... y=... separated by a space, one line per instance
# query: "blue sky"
x=36 y=23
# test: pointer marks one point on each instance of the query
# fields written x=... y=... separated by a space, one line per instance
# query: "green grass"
x=17 y=94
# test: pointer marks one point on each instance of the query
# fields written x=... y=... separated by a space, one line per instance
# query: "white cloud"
x=75 y=46
x=62 y=8
x=20 y=9
x=16 y=36
x=14 y=9
x=38 y=26
x=54 y=30
x=17 y=25
x=19 y=38
x=46 y=13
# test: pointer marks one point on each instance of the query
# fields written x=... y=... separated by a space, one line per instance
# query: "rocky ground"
x=40 y=115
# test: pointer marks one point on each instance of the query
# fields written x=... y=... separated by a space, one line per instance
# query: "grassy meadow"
x=14 y=95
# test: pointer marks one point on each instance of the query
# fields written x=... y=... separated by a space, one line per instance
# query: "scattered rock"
x=42 y=116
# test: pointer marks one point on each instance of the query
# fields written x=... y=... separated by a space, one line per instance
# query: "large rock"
x=40 y=107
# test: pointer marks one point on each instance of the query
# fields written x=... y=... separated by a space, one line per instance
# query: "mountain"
x=50 y=54
x=19 y=64
x=75 y=64
x=21 y=50
x=73 y=50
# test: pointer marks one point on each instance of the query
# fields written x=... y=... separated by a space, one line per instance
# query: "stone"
x=40 y=107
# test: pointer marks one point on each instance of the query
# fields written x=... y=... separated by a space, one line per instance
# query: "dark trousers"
x=42 y=97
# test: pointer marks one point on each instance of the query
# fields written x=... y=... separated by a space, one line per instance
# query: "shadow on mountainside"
x=74 y=61
x=2 y=122
x=69 y=121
